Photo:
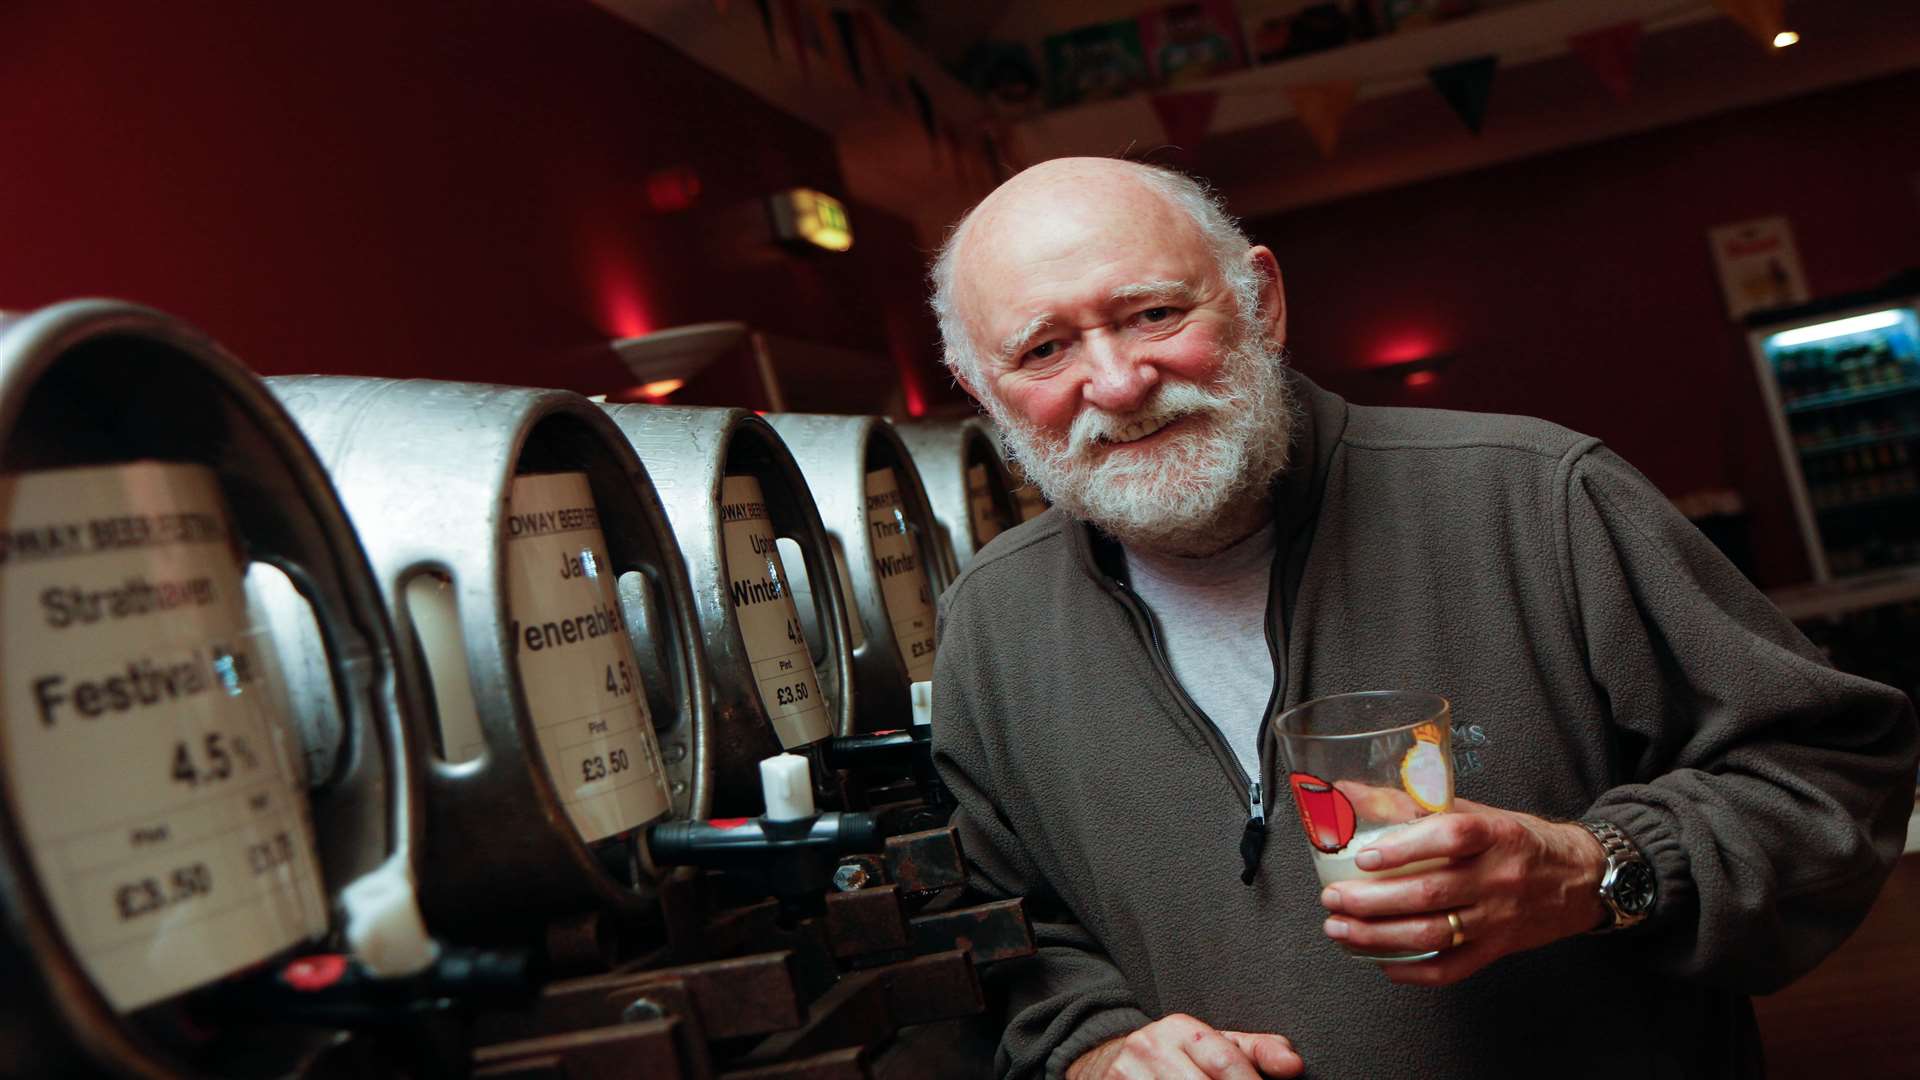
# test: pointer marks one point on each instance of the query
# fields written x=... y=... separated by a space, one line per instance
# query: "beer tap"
x=909 y=751
x=790 y=852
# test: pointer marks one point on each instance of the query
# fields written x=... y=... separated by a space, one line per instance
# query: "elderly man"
x=1671 y=801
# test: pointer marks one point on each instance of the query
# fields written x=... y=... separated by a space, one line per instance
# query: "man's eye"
x=1156 y=314
x=1043 y=350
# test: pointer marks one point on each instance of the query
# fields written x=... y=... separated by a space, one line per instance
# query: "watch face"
x=1633 y=888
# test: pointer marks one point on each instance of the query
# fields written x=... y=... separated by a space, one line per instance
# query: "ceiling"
x=1691 y=61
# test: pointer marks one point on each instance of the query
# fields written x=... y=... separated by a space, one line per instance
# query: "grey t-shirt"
x=1212 y=616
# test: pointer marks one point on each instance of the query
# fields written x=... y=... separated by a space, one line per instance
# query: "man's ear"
x=1273 y=293
x=966 y=384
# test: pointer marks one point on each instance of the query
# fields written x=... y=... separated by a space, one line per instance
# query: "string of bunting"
x=1466 y=85
x=851 y=44
x=848 y=42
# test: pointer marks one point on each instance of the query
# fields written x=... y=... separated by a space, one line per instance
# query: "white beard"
x=1170 y=497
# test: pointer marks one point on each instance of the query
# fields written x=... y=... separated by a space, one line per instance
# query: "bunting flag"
x=1466 y=86
x=850 y=43
x=883 y=66
x=1185 y=117
x=790 y=11
x=820 y=34
x=1761 y=18
x=923 y=105
x=1322 y=109
x=1608 y=53
x=766 y=23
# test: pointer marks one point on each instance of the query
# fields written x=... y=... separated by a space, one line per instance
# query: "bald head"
x=1061 y=210
x=1067 y=188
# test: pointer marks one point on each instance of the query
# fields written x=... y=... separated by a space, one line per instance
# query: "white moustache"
x=1171 y=402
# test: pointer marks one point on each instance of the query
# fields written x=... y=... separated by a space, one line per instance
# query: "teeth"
x=1139 y=429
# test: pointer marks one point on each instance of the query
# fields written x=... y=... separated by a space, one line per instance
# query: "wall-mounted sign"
x=1759 y=265
x=809 y=217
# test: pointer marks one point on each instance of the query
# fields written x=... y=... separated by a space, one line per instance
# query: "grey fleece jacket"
x=1603 y=661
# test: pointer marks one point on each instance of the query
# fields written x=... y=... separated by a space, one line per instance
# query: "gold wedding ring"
x=1459 y=932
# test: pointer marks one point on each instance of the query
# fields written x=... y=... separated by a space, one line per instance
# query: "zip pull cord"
x=1253 y=840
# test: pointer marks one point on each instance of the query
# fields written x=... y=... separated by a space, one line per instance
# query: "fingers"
x=1436 y=890
x=1378 y=803
x=1273 y=1055
x=1436 y=836
x=1422 y=933
x=1180 y=1046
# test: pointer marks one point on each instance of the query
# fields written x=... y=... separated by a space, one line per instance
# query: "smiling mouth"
x=1139 y=429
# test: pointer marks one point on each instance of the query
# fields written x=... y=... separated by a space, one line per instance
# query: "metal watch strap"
x=1620 y=851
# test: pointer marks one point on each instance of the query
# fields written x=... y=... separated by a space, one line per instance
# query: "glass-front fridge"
x=1842 y=380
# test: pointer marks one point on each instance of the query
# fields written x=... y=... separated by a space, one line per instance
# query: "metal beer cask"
x=948 y=452
x=98 y=382
x=837 y=454
x=691 y=452
x=426 y=469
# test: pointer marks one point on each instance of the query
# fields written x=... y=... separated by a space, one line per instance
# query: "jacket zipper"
x=1253 y=840
x=1253 y=837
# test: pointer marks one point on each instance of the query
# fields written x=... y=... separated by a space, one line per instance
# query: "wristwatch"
x=1627 y=886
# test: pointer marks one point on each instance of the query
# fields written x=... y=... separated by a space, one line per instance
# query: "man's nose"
x=1119 y=382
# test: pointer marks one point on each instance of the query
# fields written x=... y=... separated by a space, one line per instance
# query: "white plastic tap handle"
x=787 y=786
x=922 y=703
x=384 y=929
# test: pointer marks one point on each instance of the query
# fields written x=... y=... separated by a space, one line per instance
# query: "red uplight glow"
x=625 y=316
x=1420 y=378
x=673 y=189
x=623 y=309
x=1407 y=347
x=901 y=338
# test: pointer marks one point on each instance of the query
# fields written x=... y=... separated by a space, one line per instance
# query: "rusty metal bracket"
x=938 y=986
x=849 y=1063
x=867 y=925
x=666 y=1049
x=853 y=1013
x=748 y=996
x=925 y=862
x=991 y=932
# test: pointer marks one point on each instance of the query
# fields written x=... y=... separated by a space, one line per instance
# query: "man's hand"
x=1178 y=1047
x=1516 y=881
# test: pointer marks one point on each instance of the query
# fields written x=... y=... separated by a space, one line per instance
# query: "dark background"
x=455 y=190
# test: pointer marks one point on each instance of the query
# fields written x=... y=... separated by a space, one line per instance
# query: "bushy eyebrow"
x=1167 y=292
x=1172 y=292
x=1016 y=342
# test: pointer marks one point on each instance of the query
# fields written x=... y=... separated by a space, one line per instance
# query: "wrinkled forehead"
x=1025 y=258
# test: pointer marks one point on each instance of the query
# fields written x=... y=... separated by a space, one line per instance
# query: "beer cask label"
x=903 y=579
x=985 y=516
x=577 y=667
x=147 y=748
x=769 y=621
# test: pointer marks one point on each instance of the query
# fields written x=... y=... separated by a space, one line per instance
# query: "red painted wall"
x=1579 y=286
x=447 y=189
x=456 y=190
